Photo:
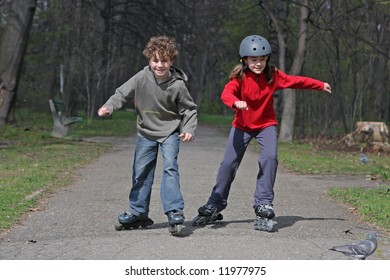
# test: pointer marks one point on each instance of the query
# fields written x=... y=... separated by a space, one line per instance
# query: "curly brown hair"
x=163 y=45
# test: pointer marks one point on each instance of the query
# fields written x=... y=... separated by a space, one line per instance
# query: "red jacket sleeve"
x=298 y=82
x=231 y=93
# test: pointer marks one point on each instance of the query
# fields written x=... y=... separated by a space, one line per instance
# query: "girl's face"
x=256 y=63
x=160 y=67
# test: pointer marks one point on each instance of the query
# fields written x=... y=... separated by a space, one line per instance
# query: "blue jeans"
x=144 y=166
x=236 y=146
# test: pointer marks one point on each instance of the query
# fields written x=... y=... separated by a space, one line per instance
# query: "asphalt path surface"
x=77 y=222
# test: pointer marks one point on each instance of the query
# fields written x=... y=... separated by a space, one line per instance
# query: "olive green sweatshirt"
x=161 y=108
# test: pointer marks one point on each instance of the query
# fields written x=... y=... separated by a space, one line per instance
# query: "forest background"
x=80 y=51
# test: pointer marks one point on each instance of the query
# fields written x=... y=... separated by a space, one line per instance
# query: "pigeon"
x=359 y=250
x=363 y=158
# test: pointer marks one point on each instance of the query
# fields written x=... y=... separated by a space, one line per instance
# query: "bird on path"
x=359 y=250
x=363 y=158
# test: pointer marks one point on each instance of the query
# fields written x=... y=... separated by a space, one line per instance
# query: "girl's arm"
x=299 y=82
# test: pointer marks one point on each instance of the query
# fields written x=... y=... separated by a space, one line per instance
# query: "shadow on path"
x=288 y=221
x=279 y=223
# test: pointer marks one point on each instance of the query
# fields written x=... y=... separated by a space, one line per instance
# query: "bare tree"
x=358 y=59
x=289 y=98
x=97 y=45
x=12 y=49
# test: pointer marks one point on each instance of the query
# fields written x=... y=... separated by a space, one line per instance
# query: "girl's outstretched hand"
x=327 y=88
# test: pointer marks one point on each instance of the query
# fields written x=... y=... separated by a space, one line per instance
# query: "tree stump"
x=368 y=132
x=378 y=131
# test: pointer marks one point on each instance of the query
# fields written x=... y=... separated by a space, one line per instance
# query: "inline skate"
x=175 y=221
x=207 y=214
x=264 y=215
x=127 y=222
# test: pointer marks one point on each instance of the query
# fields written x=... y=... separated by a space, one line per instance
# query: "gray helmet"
x=254 y=45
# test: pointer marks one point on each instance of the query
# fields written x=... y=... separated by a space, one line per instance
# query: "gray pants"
x=236 y=146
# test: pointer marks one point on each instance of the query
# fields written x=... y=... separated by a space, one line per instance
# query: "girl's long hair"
x=238 y=71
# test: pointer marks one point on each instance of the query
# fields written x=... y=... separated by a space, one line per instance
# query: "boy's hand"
x=327 y=88
x=186 y=137
x=103 y=112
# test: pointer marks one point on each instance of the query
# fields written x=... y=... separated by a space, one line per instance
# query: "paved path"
x=77 y=222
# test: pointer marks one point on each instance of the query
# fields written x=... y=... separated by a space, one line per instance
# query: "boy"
x=165 y=112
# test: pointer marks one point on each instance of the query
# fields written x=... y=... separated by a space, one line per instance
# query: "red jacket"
x=257 y=93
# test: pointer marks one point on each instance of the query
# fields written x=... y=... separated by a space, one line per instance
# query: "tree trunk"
x=280 y=28
x=107 y=52
x=289 y=100
x=12 y=49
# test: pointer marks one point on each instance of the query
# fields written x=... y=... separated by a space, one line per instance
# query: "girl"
x=250 y=93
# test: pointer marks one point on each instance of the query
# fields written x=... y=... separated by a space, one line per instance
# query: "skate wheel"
x=175 y=229
x=263 y=224
x=119 y=227
x=198 y=221
x=270 y=225
x=146 y=223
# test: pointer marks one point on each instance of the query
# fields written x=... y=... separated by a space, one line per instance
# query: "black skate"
x=264 y=215
x=175 y=220
x=207 y=214
x=127 y=222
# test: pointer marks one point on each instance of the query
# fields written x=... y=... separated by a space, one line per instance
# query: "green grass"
x=32 y=163
x=37 y=169
x=224 y=122
x=307 y=159
x=373 y=205
x=121 y=123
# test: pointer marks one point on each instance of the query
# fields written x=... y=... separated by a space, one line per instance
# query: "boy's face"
x=256 y=63
x=160 y=67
